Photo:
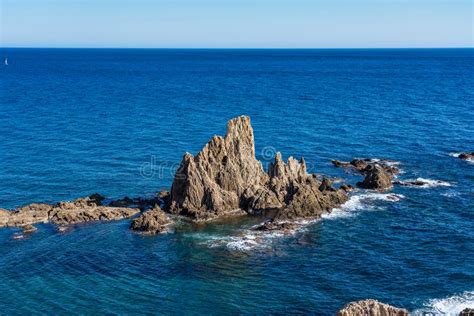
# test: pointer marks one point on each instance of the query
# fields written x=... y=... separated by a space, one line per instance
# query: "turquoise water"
x=75 y=122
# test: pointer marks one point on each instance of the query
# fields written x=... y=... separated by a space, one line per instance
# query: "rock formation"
x=466 y=156
x=225 y=177
x=378 y=173
x=64 y=213
x=371 y=308
x=467 y=312
x=361 y=164
x=26 y=215
x=151 y=222
x=86 y=210
x=376 y=178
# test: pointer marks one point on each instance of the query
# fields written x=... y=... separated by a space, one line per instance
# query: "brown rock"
x=29 y=214
x=467 y=312
x=361 y=164
x=86 y=210
x=347 y=187
x=371 y=308
x=225 y=176
x=151 y=222
x=165 y=197
x=28 y=229
x=211 y=183
x=376 y=178
x=4 y=217
x=305 y=199
x=339 y=163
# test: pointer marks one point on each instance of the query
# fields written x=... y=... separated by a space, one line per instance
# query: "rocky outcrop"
x=466 y=156
x=225 y=177
x=467 y=312
x=371 y=308
x=26 y=215
x=151 y=222
x=378 y=173
x=86 y=210
x=211 y=183
x=361 y=164
x=376 y=178
x=64 y=213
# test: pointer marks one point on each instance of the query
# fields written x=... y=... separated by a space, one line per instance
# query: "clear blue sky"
x=237 y=23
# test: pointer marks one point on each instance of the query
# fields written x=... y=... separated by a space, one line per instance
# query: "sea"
x=118 y=121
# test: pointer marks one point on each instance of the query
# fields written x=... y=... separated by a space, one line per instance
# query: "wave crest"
x=447 y=306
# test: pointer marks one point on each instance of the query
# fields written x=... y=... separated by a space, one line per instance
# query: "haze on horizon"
x=237 y=23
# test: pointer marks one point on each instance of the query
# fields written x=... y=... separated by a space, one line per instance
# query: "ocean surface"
x=78 y=121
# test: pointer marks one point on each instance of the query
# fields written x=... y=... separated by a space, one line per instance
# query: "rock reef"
x=64 y=213
x=466 y=156
x=371 y=308
x=226 y=178
x=378 y=173
x=151 y=222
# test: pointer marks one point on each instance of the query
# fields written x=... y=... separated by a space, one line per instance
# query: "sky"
x=237 y=23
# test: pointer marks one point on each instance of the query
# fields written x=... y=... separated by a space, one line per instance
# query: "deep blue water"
x=75 y=122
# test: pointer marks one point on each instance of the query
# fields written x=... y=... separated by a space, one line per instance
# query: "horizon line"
x=236 y=48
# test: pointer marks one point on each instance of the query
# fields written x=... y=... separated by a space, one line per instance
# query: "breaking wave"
x=362 y=202
x=250 y=239
x=456 y=155
x=447 y=306
x=424 y=183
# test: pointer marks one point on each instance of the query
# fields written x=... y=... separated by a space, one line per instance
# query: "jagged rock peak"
x=212 y=182
x=292 y=170
x=225 y=178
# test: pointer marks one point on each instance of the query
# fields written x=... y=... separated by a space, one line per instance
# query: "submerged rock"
x=151 y=222
x=466 y=156
x=371 y=308
x=141 y=203
x=225 y=177
x=28 y=229
x=274 y=225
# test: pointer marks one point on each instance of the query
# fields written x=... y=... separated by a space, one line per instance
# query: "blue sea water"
x=78 y=121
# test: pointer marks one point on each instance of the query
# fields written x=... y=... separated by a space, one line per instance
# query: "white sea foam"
x=453 y=154
x=362 y=202
x=425 y=183
x=451 y=194
x=251 y=240
x=447 y=306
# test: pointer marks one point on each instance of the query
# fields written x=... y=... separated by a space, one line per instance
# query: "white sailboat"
x=6 y=61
